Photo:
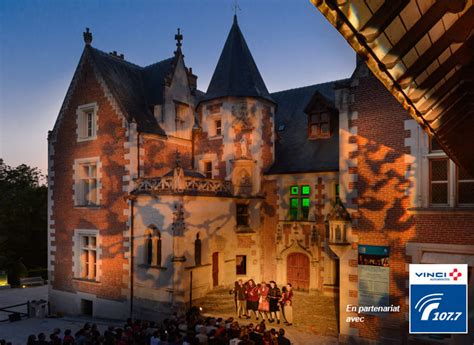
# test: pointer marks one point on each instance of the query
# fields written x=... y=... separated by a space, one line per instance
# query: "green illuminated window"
x=294 y=208
x=300 y=202
x=305 y=203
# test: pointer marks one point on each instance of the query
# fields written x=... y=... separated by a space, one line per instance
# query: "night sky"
x=41 y=43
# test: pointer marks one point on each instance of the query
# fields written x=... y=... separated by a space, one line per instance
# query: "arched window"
x=149 y=249
x=197 y=250
x=158 y=248
x=152 y=246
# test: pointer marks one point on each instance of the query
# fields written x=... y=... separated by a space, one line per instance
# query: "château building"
x=160 y=192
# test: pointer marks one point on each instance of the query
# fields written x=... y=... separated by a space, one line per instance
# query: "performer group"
x=263 y=300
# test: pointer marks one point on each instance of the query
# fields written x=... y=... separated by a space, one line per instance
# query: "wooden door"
x=215 y=269
x=298 y=271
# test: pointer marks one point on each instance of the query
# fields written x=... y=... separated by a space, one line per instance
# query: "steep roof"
x=236 y=73
x=294 y=152
x=136 y=89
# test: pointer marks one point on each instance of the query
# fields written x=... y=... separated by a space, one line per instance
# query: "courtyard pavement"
x=314 y=314
x=314 y=322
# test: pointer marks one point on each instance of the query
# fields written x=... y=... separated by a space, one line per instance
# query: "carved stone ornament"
x=244 y=148
x=242 y=115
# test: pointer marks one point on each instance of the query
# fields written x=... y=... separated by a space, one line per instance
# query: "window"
x=241 y=265
x=149 y=249
x=300 y=202
x=218 y=126
x=435 y=146
x=87 y=193
x=465 y=188
x=336 y=192
x=449 y=185
x=439 y=173
x=208 y=169
x=158 y=249
x=319 y=126
x=294 y=208
x=88 y=252
x=87 y=122
x=152 y=246
x=242 y=215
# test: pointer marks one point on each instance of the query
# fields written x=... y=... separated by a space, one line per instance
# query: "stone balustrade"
x=186 y=185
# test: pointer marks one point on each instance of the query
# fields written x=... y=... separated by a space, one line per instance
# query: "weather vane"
x=236 y=7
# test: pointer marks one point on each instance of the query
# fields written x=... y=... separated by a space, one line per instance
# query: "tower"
x=238 y=110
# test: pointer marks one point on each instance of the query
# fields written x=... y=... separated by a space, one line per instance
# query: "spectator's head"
x=41 y=337
x=57 y=331
x=31 y=339
x=67 y=332
x=281 y=332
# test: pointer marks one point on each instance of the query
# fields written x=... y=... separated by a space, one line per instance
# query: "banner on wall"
x=374 y=275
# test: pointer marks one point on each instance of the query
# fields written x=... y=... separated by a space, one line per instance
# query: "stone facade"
x=195 y=202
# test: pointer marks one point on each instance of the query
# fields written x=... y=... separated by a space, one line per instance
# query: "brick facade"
x=108 y=217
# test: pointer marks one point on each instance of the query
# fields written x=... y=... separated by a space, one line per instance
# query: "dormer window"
x=87 y=122
x=319 y=125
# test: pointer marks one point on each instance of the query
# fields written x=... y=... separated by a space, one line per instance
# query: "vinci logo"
x=438 y=298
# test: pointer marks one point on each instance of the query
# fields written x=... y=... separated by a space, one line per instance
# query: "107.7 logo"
x=438 y=298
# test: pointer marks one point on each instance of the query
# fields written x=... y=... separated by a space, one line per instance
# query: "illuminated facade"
x=159 y=192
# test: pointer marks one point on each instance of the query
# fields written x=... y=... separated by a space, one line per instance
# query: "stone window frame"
x=153 y=233
x=208 y=157
x=300 y=196
x=212 y=126
x=76 y=255
x=247 y=214
x=319 y=123
x=81 y=112
x=77 y=192
x=245 y=265
x=453 y=178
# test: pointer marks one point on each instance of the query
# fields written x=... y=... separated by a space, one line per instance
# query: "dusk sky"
x=41 y=43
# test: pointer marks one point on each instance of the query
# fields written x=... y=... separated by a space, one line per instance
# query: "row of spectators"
x=191 y=329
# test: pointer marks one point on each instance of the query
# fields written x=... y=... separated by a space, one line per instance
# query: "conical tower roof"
x=236 y=73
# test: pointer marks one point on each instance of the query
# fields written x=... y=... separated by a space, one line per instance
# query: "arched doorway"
x=297 y=269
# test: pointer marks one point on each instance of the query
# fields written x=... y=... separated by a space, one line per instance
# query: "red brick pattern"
x=108 y=218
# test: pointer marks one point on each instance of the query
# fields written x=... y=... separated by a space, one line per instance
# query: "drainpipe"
x=132 y=201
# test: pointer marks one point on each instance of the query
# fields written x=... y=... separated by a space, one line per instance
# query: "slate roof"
x=294 y=152
x=136 y=89
x=236 y=73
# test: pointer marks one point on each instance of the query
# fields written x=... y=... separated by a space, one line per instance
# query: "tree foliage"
x=23 y=216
